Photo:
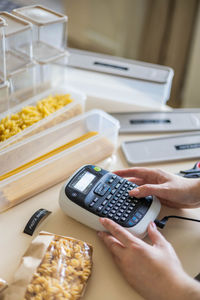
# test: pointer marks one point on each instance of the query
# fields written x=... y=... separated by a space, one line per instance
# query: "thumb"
x=146 y=190
x=155 y=236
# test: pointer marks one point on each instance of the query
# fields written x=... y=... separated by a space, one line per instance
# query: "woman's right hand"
x=172 y=190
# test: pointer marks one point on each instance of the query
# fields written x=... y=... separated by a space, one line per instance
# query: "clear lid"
x=15 y=24
x=40 y=15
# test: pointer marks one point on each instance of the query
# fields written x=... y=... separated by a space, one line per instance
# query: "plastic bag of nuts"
x=53 y=267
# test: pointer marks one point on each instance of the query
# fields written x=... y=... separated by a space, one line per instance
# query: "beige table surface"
x=106 y=281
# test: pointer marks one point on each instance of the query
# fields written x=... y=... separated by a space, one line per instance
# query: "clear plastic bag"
x=54 y=267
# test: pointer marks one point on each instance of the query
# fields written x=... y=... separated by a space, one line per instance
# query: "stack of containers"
x=3 y=82
x=42 y=153
x=35 y=38
x=49 y=38
x=18 y=56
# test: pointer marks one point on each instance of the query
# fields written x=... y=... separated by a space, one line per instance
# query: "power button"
x=97 y=169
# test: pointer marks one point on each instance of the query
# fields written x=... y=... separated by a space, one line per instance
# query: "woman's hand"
x=154 y=271
x=172 y=190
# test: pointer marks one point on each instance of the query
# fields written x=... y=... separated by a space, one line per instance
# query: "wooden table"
x=106 y=281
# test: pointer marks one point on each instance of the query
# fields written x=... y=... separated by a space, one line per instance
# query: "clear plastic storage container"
x=18 y=42
x=49 y=157
x=73 y=108
x=2 y=52
x=28 y=82
x=49 y=31
x=4 y=102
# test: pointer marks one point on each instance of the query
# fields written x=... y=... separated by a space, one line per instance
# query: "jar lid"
x=14 y=24
x=40 y=15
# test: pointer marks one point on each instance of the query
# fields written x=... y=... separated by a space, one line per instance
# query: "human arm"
x=154 y=271
x=172 y=190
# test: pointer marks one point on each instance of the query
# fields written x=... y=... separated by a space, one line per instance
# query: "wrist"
x=189 y=289
x=195 y=192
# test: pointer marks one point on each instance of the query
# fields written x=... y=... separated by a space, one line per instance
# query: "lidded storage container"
x=49 y=31
x=49 y=157
x=18 y=43
x=38 y=113
x=2 y=52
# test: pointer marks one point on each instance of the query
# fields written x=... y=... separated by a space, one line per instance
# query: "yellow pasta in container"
x=39 y=113
x=54 y=267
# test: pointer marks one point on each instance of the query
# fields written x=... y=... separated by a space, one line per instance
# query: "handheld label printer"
x=92 y=192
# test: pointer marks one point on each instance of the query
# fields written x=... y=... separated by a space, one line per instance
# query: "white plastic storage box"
x=49 y=31
x=18 y=42
x=4 y=102
x=51 y=156
x=2 y=52
x=74 y=107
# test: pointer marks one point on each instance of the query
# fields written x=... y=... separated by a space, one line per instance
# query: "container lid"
x=40 y=15
x=15 y=24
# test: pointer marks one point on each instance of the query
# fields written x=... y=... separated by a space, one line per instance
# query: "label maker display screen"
x=84 y=182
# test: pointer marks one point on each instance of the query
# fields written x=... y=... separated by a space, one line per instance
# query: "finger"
x=155 y=236
x=112 y=244
x=148 y=189
x=149 y=175
x=136 y=180
x=117 y=231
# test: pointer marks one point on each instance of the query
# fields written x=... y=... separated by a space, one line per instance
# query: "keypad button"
x=110 y=215
x=113 y=201
x=117 y=186
x=134 y=219
x=92 y=204
x=118 y=204
x=138 y=215
x=109 y=196
x=121 y=201
x=105 y=202
x=110 y=205
x=99 y=208
x=113 y=191
x=95 y=199
x=104 y=212
x=116 y=218
x=114 y=176
x=123 y=219
x=119 y=214
x=125 y=215
x=113 y=211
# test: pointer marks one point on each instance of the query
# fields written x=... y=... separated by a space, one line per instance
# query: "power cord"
x=162 y=223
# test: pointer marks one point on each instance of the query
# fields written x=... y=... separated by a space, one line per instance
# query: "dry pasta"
x=63 y=272
x=11 y=125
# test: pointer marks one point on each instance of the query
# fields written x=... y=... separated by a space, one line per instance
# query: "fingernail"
x=101 y=220
x=153 y=225
x=100 y=234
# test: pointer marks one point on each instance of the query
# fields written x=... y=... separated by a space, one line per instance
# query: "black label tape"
x=187 y=146
x=35 y=220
